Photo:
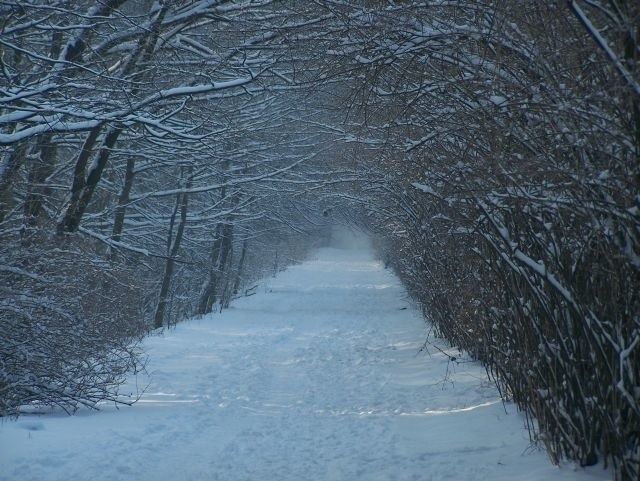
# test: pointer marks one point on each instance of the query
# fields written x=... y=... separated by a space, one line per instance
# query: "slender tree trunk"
x=633 y=56
x=227 y=273
x=158 y=319
x=238 y=278
x=43 y=166
x=123 y=200
x=78 y=177
x=182 y=202
x=227 y=246
x=276 y=266
x=208 y=293
x=8 y=169
x=40 y=170
x=82 y=191
x=222 y=249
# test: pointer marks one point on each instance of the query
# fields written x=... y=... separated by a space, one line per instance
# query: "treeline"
x=507 y=135
x=148 y=166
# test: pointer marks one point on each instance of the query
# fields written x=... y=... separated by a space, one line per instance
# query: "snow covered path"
x=317 y=377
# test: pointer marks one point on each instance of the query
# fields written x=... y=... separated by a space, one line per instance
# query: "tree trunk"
x=182 y=203
x=226 y=277
x=219 y=258
x=208 y=292
x=238 y=279
x=40 y=170
x=78 y=176
x=8 y=169
x=82 y=191
x=43 y=166
x=123 y=200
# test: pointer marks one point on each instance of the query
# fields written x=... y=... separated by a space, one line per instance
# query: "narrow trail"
x=319 y=376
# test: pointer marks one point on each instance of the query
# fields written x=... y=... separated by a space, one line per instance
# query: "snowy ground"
x=317 y=377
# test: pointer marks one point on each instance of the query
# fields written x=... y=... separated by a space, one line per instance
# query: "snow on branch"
x=601 y=41
x=57 y=122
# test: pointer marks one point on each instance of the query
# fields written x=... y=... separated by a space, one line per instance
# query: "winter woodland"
x=157 y=158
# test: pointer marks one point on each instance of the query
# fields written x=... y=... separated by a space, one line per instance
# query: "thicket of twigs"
x=70 y=326
x=513 y=215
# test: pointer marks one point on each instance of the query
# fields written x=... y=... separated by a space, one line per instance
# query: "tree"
x=102 y=104
x=509 y=209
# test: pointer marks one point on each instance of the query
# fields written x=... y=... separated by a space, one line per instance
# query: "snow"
x=497 y=100
x=424 y=188
x=319 y=376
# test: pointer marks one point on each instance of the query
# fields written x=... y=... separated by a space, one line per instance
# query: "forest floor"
x=318 y=376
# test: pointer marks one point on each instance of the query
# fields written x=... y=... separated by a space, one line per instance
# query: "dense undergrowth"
x=516 y=216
